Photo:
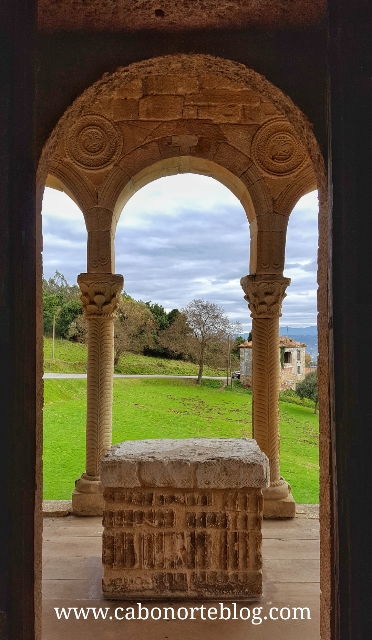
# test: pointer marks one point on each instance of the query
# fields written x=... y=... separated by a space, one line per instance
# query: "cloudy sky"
x=186 y=237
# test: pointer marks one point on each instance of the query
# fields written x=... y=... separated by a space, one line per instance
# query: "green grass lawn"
x=161 y=408
x=71 y=357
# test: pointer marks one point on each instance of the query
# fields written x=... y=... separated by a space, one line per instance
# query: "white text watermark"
x=222 y=611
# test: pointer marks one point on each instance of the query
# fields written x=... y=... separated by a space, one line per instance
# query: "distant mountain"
x=299 y=331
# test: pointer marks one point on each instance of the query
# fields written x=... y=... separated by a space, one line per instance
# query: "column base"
x=87 y=504
x=278 y=501
x=87 y=498
x=283 y=508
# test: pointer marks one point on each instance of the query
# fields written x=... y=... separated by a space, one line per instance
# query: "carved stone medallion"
x=93 y=142
x=276 y=150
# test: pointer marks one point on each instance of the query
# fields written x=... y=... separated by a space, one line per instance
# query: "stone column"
x=265 y=294
x=100 y=299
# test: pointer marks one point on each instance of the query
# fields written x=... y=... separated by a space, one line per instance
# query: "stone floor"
x=72 y=578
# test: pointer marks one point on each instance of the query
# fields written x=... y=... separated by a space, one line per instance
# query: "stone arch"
x=202 y=166
x=204 y=108
x=186 y=164
x=159 y=92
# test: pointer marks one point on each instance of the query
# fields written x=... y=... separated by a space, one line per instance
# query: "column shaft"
x=100 y=299
x=99 y=391
x=265 y=384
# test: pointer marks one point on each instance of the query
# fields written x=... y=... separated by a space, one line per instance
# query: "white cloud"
x=186 y=237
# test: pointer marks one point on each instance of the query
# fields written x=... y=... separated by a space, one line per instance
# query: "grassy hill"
x=71 y=357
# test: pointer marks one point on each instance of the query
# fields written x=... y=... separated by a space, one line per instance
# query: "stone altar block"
x=182 y=519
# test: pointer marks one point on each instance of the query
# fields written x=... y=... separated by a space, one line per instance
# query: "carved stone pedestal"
x=182 y=519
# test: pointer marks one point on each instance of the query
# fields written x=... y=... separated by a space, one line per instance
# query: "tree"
x=163 y=320
x=69 y=312
x=62 y=304
x=161 y=317
x=178 y=339
x=235 y=351
x=59 y=285
x=203 y=333
x=134 y=327
x=307 y=359
x=51 y=307
x=308 y=388
x=78 y=330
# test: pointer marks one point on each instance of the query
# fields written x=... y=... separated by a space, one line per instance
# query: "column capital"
x=265 y=294
x=100 y=293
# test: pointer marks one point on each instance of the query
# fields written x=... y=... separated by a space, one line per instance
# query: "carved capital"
x=100 y=293
x=265 y=294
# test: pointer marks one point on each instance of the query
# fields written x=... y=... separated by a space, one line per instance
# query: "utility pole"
x=228 y=361
x=54 y=331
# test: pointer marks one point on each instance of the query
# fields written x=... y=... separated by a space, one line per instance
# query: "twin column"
x=100 y=300
x=265 y=294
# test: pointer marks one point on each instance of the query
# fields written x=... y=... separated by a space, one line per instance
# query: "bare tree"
x=201 y=331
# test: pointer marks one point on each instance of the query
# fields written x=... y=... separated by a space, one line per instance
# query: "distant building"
x=291 y=363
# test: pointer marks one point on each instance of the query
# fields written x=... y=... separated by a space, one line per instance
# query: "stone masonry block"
x=161 y=107
x=170 y=84
x=220 y=112
x=125 y=109
x=132 y=89
x=221 y=96
x=201 y=537
x=190 y=112
x=213 y=81
x=233 y=159
x=140 y=158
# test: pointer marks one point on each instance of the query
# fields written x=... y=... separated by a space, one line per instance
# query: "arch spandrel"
x=291 y=194
x=74 y=183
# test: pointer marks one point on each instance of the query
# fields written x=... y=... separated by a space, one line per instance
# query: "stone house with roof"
x=291 y=363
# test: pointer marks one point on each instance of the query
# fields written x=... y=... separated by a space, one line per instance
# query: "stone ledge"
x=309 y=511
x=57 y=508
x=194 y=463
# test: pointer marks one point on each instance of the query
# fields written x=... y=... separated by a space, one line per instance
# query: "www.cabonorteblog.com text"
x=222 y=611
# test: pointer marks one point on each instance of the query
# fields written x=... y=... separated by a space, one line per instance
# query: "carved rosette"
x=276 y=149
x=93 y=142
x=100 y=293
x=265 y=294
